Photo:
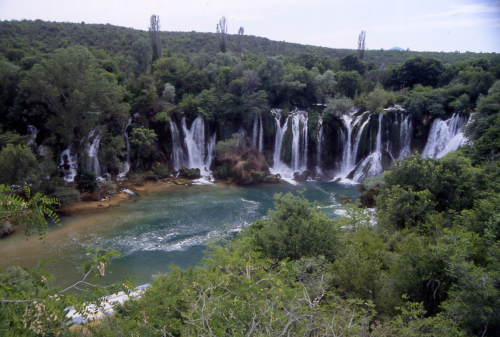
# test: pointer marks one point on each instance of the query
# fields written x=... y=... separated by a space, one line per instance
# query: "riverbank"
x=142 y=188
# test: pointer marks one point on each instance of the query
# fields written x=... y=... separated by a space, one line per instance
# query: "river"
x=157 y=230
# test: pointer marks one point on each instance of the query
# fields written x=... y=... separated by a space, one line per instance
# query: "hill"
x=28 y=37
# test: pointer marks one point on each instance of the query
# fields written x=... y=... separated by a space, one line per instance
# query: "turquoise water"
x=158 y=230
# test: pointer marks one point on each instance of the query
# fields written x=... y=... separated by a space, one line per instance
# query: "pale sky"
x=423 y=25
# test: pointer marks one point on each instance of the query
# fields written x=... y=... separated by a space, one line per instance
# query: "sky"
x=423 y=25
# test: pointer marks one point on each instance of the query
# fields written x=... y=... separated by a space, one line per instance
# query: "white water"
x=445 y=136
x=372 y=165
x=126 y=165
x=299 y=144
x=254 y=133
x=200 y=155
x=92 y=147
x=32 y=131
x=177 y=156
x=405 y=137
x=261 y=135
x=68 y=159
x=258 y=133
x=319 y=141
x=278 y=166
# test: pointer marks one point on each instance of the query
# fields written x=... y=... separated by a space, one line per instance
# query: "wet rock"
x=193 y=173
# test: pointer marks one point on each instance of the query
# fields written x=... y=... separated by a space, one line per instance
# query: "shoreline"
x=140 y=189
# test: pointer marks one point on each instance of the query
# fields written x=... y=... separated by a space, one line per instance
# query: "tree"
x=154 y=36
x=348 y=83
x=168 y=92
x=106 y=188
x=361 y=44
x=420 y=70
x=141 y=53
x=325 y=86
x=222 y=34
x=294 y=230
x=88 y=181
x=76 y=98
x=352 y=62
x=18 y=165
x=241 y=31
x=142 y=139
x=339 y=105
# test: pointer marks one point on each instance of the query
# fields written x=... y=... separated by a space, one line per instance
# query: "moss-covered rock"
x=193 y=173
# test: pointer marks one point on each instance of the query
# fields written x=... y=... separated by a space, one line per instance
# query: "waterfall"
x=299 y=141
x=278 y=166
x=258 y=133
x=32 y=131
x=347 y=163
x=405 y=134
x=354 y=154
x=261 y=135
x=68 y=163
x=177 y=156
x=126 y=166
x=92 y=147
x=242 y=137
x=254 y=134
x=445 y=136
x=299 y=144
x=200 y=153
x=372 y=165
x=319 y=141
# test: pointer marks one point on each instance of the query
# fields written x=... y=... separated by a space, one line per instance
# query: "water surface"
x=157 y=230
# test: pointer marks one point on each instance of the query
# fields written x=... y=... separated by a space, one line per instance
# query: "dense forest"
x=430 y=265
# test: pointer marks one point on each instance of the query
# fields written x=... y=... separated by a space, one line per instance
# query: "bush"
x=65 y=195
x=160 y=170
x=87 y=181
x=295 y=229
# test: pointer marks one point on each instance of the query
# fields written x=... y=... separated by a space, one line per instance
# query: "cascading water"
x=242 y=137
x=445 y=136
x=254 y=133
x=91 y=148
x=126 y=165
x=372 y=165
x=200 y=153
x=319 y=142
x=278 y=166
x=177 y=156
x=299 y=144
x=347 y=161
x=33 y=132
x=405 y=136
x=68 y=163
x=299 y=141
x=261 y=135
x=258 y=133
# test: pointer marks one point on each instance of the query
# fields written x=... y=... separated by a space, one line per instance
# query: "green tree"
x=18 y=165
x=154 y=36
x=141 y=54
x=339 y=105
x=420 y=70
x=88 y=181
x=75 y=106
x=143 y=139
x=294 y=230
x=325 y=86
x=352 y=63
x=348 y=83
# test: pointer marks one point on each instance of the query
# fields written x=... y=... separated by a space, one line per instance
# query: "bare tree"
x=362 y=44
x=154 y=35
x=222 y=34
x=241 y=31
